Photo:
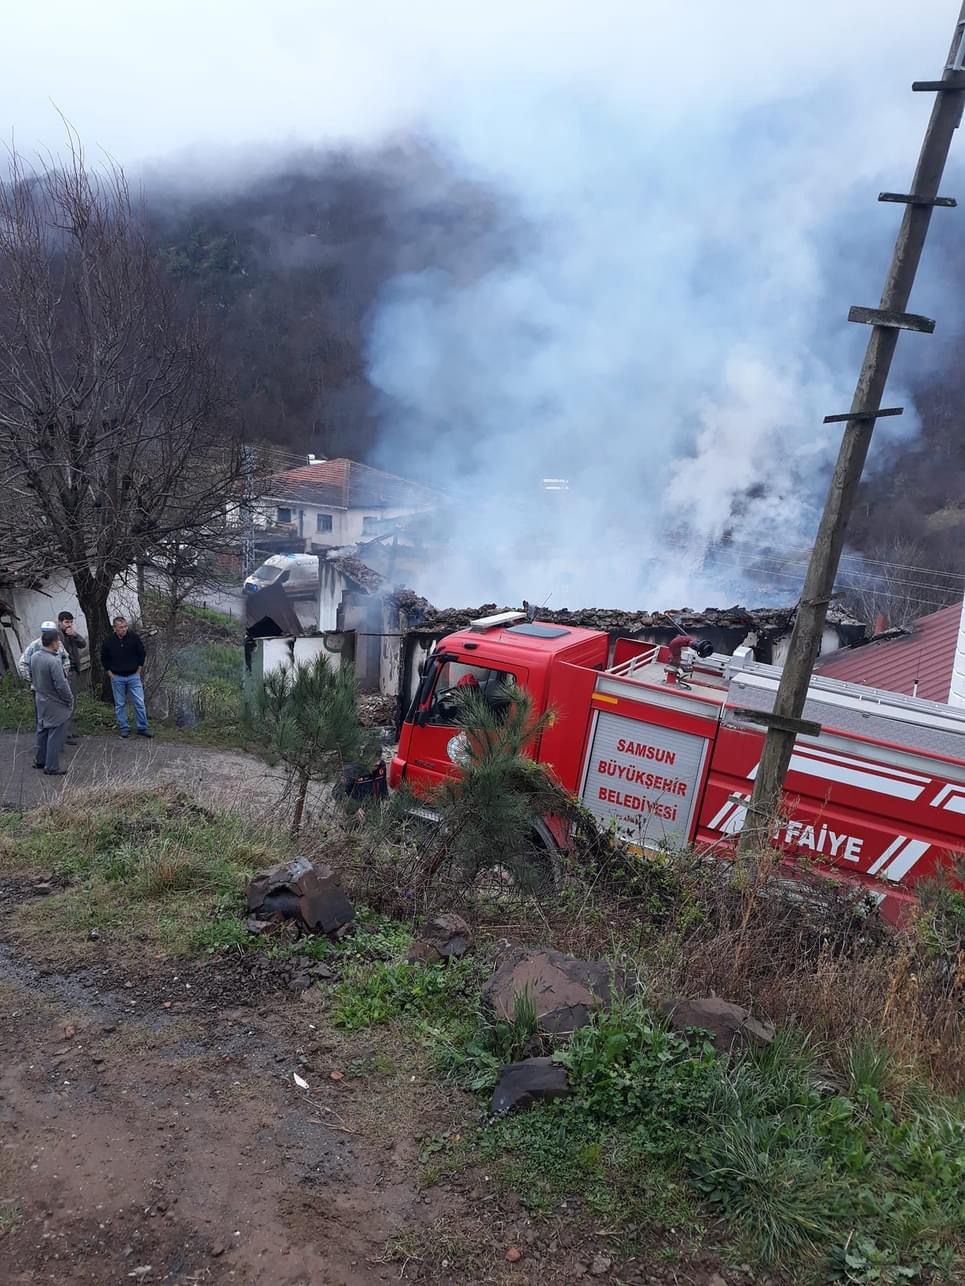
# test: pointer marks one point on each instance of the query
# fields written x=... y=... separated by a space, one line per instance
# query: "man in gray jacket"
x=55 y=703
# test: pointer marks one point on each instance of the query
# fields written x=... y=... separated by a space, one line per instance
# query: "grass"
x=142 y=865
x=661 y=1133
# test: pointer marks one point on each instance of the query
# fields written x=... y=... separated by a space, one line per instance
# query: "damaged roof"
x=346 y=484
x=768 y=622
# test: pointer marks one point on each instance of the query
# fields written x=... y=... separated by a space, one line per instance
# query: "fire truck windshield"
x=455 y=679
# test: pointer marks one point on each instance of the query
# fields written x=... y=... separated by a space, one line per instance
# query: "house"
x=335 y=503
x=918 y=662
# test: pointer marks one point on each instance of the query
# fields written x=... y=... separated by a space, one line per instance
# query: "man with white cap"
x=23 y=665
x=55 y=702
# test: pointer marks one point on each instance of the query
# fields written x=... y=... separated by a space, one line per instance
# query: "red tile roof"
x=346 y=484
x=925 y=655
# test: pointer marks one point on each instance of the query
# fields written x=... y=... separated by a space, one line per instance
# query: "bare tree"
x=112 y=442
x=891 y=581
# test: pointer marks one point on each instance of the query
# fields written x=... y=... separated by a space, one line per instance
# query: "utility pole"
x=248 y=513
x=784 y=724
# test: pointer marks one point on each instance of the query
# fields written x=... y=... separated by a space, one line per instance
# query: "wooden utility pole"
x=886 y=321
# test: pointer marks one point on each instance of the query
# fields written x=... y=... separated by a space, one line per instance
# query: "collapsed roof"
x=766 y=622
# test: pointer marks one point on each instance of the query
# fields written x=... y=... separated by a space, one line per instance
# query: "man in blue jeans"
x=122 y=656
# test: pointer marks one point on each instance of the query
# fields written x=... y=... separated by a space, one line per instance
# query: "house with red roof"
x=334 y=503
x=918 y=662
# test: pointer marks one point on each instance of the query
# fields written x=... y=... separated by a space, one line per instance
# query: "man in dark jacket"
x=55 y=703
x=122 y=656
x=74 y=643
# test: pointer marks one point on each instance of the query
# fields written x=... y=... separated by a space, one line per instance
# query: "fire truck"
x=662 y=744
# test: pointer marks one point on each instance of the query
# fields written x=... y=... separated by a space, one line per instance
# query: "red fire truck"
x=664 y=748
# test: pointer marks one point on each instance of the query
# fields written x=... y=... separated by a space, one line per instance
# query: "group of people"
x=51 y=664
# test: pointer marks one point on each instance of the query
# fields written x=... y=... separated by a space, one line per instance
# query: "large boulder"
x=300 y=890
x=564 y=990
x=533 y=1080
x=731 y=1026
x=444 y=937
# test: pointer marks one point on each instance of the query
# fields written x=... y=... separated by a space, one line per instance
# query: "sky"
x=699 y=181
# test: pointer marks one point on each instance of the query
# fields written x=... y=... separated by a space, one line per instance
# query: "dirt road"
x=152 y=1131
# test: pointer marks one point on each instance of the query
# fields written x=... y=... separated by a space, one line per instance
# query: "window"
x=323 y=522
x=455 y=678
x=283 y=515
x=370 y=523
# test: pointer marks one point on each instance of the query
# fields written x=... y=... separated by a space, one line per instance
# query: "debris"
x=729 y=1025
x=336 y=1076
x=601 y=1265
x=140 y=1273
x=94 y=935
x=307 y=892
x=299 y=1081
x=514 y=1254
x=299 y=982
x=43 y=887
x=445 y=937
x=70 y=1031
x=563 y=990
x=530 y=1081
x=717 y=1280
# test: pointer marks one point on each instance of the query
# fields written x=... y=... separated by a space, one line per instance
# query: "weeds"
x=761 y=1142
x=137 y=862
x=384 y=991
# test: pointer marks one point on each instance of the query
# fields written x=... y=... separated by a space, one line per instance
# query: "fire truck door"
x=438 y=742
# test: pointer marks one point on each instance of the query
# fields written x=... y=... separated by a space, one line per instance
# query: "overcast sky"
x=144 y=80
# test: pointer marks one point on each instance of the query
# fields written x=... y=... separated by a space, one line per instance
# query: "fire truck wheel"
x=546 y=860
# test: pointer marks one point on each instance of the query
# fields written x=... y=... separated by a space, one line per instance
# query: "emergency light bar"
x=483 y=623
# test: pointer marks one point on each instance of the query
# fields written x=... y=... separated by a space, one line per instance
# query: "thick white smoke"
x=671 y=330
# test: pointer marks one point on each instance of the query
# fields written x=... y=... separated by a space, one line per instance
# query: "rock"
x=445 y=937
x=601 y=1265
x=514 y=1255
x=423 y=953
x=563 y=989
x=530 y=1081
x=322 y=971
x=299 y=982
x=306 y=892
x=43 y=888
x=731 y=1026
x=717 y=1280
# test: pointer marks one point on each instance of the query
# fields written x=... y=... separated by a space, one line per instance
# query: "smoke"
x=670 y=331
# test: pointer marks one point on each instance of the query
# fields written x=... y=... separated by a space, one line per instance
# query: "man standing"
x=122 y=656
x=23 y=665
x=55 y=703
x=74 y=643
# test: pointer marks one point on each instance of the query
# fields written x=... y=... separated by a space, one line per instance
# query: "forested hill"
x=290 y=264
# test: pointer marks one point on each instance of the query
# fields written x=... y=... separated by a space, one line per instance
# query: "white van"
x=301 y=578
